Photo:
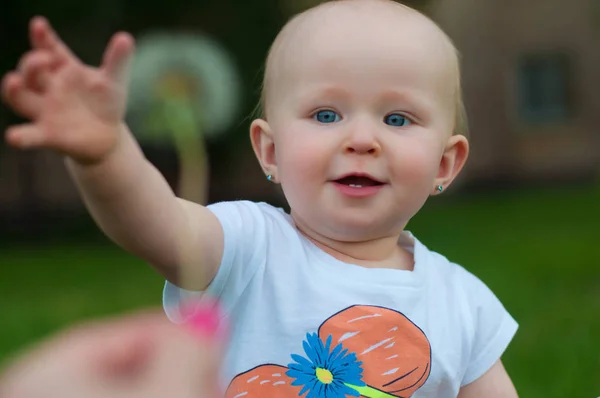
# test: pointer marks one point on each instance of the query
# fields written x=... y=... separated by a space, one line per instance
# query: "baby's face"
x=361 y=106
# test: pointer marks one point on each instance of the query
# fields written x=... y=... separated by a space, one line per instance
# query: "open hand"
x=74 y=109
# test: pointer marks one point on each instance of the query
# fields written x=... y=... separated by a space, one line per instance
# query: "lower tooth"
x=355 y=186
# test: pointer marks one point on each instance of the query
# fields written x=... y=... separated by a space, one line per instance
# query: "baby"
x=362 y=120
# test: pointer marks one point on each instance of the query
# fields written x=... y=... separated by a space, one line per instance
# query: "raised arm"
x=78 y=111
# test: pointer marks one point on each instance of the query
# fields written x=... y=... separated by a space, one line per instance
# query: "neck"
x=382 y=252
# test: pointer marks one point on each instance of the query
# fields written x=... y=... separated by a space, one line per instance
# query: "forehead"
x=356 y=40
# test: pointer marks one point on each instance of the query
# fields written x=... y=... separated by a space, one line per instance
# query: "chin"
x=358 y=227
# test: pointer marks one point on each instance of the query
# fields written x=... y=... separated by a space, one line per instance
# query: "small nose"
x=362 y=140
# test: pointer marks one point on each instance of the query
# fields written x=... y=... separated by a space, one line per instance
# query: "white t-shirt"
x=306 y=324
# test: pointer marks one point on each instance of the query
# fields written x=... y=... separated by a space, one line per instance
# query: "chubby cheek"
x=414 y=169
x=302 y=159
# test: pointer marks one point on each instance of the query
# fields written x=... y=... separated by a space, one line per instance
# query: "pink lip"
x=365 y=175
x=357 y=192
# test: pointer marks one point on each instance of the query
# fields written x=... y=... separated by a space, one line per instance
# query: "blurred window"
x=544 y=84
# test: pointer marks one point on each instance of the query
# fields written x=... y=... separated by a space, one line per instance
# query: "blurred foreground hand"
x=141 y=355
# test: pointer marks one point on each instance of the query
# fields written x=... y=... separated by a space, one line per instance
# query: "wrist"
x=123 y=159
x=113 y=151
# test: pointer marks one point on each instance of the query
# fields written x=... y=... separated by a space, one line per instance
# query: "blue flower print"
x=326 y=373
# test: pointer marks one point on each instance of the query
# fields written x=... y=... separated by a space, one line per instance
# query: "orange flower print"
x=362 y=351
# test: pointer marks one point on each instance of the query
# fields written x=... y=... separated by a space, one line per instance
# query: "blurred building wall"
x=532 y=85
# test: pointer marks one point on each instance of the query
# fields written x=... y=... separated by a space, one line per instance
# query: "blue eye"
x=397 y=120
x=326 y=117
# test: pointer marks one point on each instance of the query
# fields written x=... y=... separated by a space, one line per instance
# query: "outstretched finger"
x=25 y=136
x=35 y=67
x=190 y=361
x=118 y=56
x=44 y=37
x=23 y=101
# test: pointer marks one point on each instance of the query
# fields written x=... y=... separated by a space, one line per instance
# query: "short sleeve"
x=493 y=327
x=244 y=233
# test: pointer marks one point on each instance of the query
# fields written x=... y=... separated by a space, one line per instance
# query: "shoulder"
x=442 y=273
x=249 y=209
x=484 y=323
x=250 y=228
x=461 y=288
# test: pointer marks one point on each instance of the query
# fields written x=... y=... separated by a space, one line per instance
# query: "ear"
x=264 y=147
x=454 y=158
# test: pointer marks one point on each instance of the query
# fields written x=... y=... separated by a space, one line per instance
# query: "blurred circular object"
x=183 y=82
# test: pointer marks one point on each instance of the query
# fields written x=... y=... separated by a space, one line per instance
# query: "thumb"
x=188 y=359
x=26 y=136
x=118 y=56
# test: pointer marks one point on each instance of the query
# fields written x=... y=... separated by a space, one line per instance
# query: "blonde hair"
x=461 y=124
x=461 y=120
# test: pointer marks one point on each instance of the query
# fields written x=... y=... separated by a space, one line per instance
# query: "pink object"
x=205 y=318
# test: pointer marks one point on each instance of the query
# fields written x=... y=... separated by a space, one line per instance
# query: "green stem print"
x=370 y=392
x=326 y=377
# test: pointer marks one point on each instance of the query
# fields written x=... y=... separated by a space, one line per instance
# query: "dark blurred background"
x=523 y=217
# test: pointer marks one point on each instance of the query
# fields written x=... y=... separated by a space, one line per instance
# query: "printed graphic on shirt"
x=362 y=351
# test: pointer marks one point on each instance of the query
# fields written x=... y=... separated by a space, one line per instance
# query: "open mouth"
x=356 y=181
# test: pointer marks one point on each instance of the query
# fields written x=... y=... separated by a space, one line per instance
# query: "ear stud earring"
x=440 y=188
x=270 y=177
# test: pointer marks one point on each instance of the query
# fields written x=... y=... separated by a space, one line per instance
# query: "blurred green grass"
x=536 y=249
